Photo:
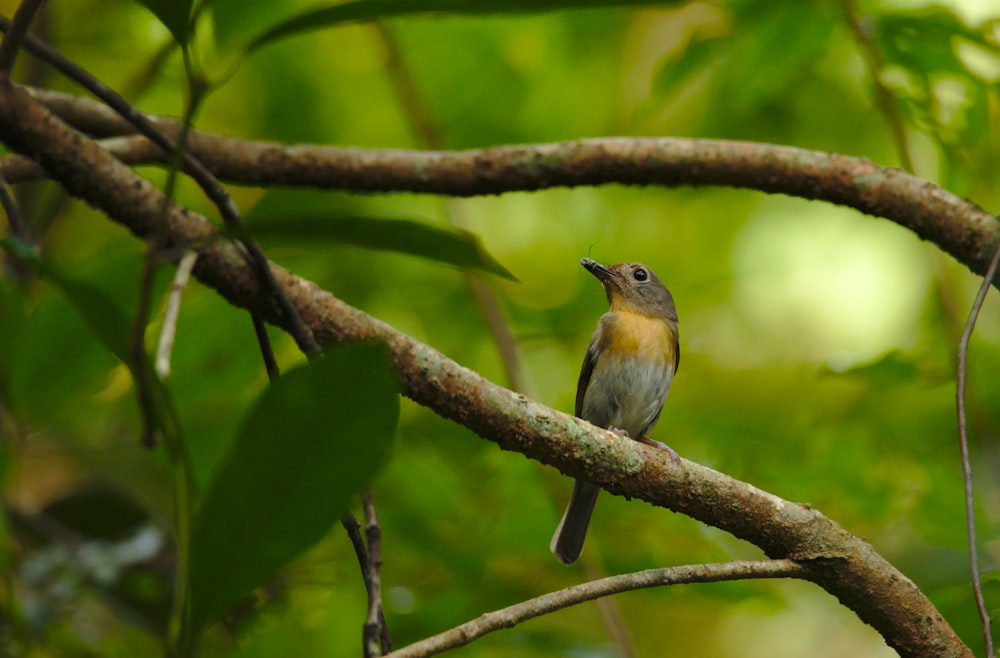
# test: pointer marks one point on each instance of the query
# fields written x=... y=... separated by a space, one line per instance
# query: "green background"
x=818 y=344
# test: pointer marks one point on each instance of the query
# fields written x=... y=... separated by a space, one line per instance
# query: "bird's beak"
x=603 y=274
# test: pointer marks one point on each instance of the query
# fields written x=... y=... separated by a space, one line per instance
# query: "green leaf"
x=745 y=52
x=925 y=41
x=893 y=369
x=699 y=54
x=298 y=216
x=103 y=317
x=174 y=14
x=369 y=10
x=312 y=440
x=236 y=21
x=14 y=322
x=109 y=324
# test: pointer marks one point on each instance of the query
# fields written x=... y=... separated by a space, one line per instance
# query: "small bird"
x=626 y=376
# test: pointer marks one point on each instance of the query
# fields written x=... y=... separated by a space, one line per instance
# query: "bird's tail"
x=568 y=540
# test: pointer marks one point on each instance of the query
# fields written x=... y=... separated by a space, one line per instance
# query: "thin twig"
x=170 y=315
x=266 y=350
x=375 y=636
x=963 y=443
x=16 y=34
x=547 y=603
x=193 y=167
x=14 y=218
x=369 y=634
x=180 y=640
x=34 y=71
x=155 y=245
x=353 y=528
x=18 y=227
x=886 y=99
x=376 y=632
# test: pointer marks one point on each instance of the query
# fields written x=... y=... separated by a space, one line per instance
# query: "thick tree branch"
x=564 y=598
x=844 y=565
x=956 y=225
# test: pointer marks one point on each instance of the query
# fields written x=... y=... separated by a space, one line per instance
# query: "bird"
x=626 y=376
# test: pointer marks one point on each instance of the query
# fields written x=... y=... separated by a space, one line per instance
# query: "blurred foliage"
x=295 y=451
x=294 y=217
x=818 y=344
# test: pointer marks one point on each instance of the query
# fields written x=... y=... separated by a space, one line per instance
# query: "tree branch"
x=963 y=444
x=165 y=345
x=174 y=147
x=18 y=33
x=377 y=640
x=513 y=615
x=375 y=632
x=956 y=225
x=13 y=212
x=844 y=565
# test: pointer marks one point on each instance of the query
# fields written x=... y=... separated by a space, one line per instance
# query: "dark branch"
x=16 y=34
x=14 y=218
x=376 y=632
x=353 y=528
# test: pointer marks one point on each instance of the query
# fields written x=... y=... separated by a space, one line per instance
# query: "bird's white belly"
x=627 y=394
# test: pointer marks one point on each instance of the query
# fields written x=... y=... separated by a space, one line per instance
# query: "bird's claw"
x=674 y=457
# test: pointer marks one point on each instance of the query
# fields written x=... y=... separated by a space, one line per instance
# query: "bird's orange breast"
x=641 y=337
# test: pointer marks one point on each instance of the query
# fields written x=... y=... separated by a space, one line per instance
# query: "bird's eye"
x=640 y=275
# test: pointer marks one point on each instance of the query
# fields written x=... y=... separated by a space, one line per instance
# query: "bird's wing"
x=585 y=372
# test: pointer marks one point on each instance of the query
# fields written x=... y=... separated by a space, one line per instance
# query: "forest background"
x=819 y=344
